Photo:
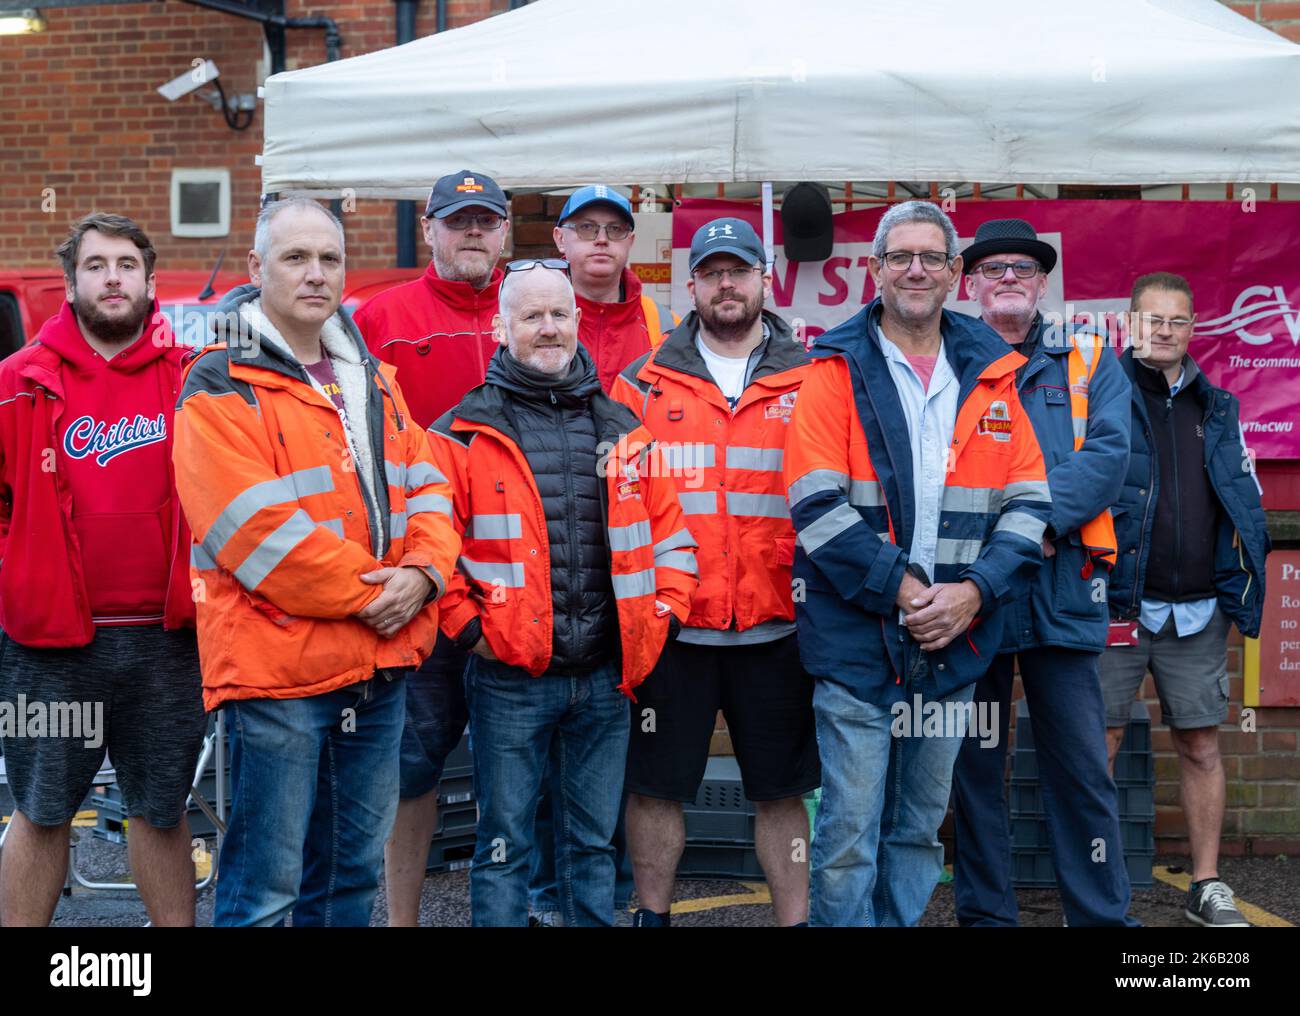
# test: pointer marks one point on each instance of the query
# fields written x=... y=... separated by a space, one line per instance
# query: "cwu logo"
x=88 y=436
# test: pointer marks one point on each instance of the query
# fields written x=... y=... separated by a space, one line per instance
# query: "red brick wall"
x=82 y=118
x=1283 y=18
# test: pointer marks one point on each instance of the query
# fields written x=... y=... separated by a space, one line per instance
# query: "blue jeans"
x=1079 y=796
x=519 y=725
x=543 y=888
x=876 y=856
x=313 y=797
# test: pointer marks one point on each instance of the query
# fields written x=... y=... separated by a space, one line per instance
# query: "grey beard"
x=449 y=271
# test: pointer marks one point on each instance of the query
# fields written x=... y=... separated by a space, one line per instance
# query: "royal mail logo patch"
x=470 y=185
x=781 y=408
x=997 y=422
x=630 y=485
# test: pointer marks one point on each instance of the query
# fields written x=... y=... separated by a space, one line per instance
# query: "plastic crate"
x=1131 y=767
x=1135 y=802
x=1032 y=869
x=457 y=820
x=460 y=757
x=719 y=860
x=455 y=789
x=451 y=853
x=720 y=812
x=1029 y=833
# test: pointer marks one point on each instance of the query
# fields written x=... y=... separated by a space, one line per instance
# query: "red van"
x=30 y=296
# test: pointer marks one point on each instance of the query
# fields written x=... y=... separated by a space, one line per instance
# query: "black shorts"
x=435 y=717
x=766 y=697
x=134 y=691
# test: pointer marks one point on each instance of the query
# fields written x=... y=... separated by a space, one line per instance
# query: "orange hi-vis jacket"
x=284 y=524
x=1086 y=350
x=727 y=466
x=504 y=574
x=848 y=467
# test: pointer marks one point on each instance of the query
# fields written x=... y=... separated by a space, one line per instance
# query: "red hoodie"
x=438 y=334
x=87 y=489
x=615 y=334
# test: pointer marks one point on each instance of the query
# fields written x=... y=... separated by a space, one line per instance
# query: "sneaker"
x=1211 y=906
x=545 y=919
x=644 y=918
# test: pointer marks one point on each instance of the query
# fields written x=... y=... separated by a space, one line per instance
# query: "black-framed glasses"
x=527 y=264
x=1021 y=269
x=591 y=230
x=461 y=221
x=737 y=275
x=901 y=260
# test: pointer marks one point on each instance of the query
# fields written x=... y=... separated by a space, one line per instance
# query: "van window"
x=192 y=323
x=11 y=325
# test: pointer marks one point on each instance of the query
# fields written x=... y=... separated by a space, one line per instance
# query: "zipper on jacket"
x=1146 y=514
x=1178 y=500
x=571 y=512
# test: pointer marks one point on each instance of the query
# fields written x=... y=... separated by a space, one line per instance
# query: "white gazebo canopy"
x=669 y=91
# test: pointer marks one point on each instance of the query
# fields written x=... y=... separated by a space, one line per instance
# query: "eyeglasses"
x=1176 y=324
x=591 y=230
x=527 y=264
x=901 y=260
x=486 y=221
x=997 y=269
x=737 y=275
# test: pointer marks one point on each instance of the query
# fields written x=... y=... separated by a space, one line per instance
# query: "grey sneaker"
x=1212 y=907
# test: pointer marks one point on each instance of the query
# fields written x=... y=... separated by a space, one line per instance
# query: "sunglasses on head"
x=527 y=264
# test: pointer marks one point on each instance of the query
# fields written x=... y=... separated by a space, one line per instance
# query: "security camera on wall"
x=203 y=72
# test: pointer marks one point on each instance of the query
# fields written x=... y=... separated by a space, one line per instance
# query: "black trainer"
x=645 y=918
x=1211 y=906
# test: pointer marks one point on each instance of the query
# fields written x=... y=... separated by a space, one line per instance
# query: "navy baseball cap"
x=597 y=194
x=727 y=236
x=465 y=189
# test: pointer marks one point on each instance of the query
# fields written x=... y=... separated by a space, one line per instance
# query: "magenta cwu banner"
x=1242 y=259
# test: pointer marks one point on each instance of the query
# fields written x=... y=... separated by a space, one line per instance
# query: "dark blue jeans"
x=313 y=797
x=519 y=725
x=1079 y=798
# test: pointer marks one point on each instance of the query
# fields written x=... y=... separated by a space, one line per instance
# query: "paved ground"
x=1270 y=884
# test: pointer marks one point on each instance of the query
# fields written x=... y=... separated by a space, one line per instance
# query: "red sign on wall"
x=1279 y=634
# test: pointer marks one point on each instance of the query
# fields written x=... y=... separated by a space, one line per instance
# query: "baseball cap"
x=597 y=194
x=465 y=189
x=727 y=236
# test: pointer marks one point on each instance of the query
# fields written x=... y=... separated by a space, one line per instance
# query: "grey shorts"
x=133 y=691
x=1191 y=674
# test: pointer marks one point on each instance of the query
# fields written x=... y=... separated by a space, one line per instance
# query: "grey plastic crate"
x=457 y=820
x=719 y=860
x=455 y=789
x=720 y=812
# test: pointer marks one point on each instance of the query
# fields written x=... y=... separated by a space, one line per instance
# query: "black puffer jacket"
x=553 y=422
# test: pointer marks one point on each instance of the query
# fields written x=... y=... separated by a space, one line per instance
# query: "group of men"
x=531 y=501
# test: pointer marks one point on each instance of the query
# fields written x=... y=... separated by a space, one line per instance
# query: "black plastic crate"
x=1032 y=869
x=1030 y=833
x=1135 y=802
x=455 y=789
x=1131 y=767
x=451 y=853
x=719 y=860
x=1137 y=734
x=457 y=820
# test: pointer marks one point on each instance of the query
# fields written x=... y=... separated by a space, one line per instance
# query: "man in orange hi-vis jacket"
x=577 y=569
x=322 y=536
x=919 y=500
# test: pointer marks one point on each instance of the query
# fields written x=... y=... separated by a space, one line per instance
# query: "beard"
x=117 y=328
x=459 y=268
x=731 y=325
x=909 y=313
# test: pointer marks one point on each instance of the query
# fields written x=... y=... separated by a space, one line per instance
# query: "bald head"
x=538 y=319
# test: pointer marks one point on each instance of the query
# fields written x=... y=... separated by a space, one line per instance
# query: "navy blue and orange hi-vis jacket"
x=848 y=467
